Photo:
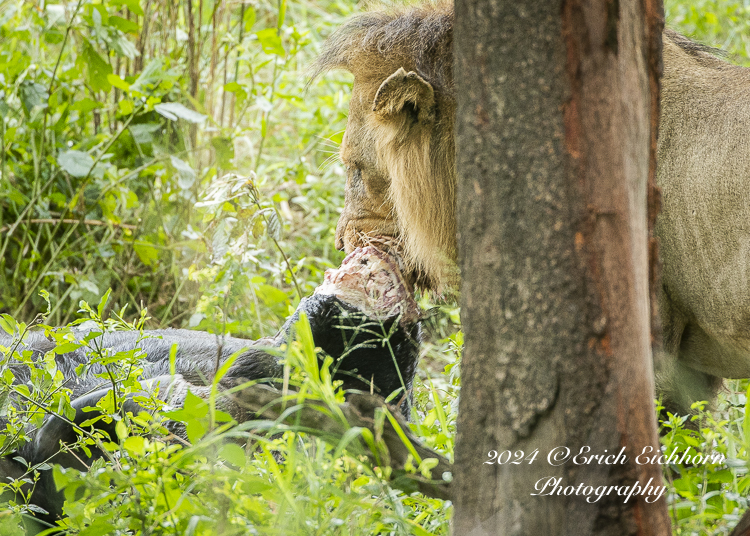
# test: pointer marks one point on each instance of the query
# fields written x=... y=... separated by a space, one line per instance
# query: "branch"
x=75 y=221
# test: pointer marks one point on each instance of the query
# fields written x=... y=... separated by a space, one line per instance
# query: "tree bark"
x=555 y=146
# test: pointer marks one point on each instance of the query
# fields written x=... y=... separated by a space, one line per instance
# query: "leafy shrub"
x=258 y=477
x=117 y=115
x=709 y=498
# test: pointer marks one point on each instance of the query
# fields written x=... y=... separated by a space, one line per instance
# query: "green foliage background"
x=171 y=151
x=118 y=117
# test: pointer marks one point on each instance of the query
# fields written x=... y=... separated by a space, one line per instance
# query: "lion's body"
x=703 y=169
x=399 y=150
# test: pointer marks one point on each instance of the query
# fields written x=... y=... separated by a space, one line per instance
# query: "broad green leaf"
x=271 y=295
x=151 y=75
x=124 y=25
x=233 y=454
x=10 y=525
x=65 y=347
x=146 y=252
x=257 y=228
x=144 y=132
x=133 y=5
x=33 y=95
x=186 y=174
x=222 y=416
x=135 y=445
x=125 y=107
x=122 y=45
x=118 y=82
x=194 y=407
x=17 y=197
x=98 y=527
x=97 y=67
x=121 y=430
x=86 y=105
x=8 y=323
x=175 y=110
x=224 y=150
x=60 y=476
x=270 y=41
x=76 y=163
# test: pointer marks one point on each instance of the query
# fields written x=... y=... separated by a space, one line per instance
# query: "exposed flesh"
x=371 y=280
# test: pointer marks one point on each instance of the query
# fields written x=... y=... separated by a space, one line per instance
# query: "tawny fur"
x=402 y=181
x=415 y=157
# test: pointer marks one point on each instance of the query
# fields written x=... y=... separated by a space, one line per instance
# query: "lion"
x=399 y=152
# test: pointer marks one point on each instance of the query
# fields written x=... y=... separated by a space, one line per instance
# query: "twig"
x=75 y=221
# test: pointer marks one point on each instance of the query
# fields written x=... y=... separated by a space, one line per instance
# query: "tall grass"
x=118 y=115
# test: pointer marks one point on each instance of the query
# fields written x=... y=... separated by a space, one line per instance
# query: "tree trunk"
x=556 y=128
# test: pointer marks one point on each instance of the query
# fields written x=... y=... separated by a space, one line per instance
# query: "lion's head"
x=398 y=148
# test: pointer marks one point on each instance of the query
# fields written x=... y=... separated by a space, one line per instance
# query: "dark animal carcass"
x=364 y=316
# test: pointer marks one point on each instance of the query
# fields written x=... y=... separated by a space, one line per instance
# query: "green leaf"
x=257 y=228
x=274 y=225
x=33 y=95
x=144 y=132
x=16 y=196
x=135 y=445
x=125 y=107
x=65 y=347
x=271 y=295
x=98 y=527
x=175 y=110
x=60 y=476
x=133 y=5
x=146 y=252
x=103 y=302
x=224 y=150
x=195 y=429
x=270 y=41
x=151 y=75
x=86 y=105
x=97 y=67
x=8 y=323
x=76 y=163
x=121 y=430
x=193 y=408
x=118 y=82
x=222 y=416
x=249 y=17
x=10 y=525
x=122 y=45
x=186 y=174
x=124 y=25
x=233 y=454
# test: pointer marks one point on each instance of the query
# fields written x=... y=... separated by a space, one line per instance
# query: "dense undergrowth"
x=169 y=150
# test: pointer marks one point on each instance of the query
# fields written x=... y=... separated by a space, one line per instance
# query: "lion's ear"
x=402 y=91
